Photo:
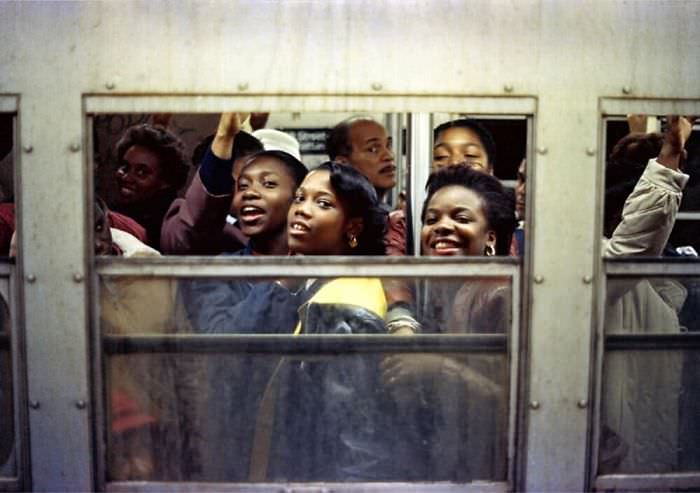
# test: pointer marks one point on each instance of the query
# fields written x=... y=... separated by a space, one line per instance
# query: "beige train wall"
x=566 y=55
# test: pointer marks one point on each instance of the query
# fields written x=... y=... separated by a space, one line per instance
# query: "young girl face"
x=455 y=223
x=139 y=176
x=460 y=146
x=318 y=222
x=264 y=191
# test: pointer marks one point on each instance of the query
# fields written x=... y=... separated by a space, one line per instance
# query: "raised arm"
x=650 y=210
x=194 y=224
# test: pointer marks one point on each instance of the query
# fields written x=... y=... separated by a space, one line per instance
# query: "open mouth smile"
x=298 y=228
x=250 y=213
x=445 y=246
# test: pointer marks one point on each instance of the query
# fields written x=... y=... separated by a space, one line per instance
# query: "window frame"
x=406 y=267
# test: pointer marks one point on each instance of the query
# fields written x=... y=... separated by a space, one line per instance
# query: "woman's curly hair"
x=499 y=204
x=168 y=147
x=360 y=198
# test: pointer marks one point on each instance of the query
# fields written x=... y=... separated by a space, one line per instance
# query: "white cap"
x=275 y=140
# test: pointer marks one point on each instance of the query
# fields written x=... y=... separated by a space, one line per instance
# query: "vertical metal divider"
x=524 y=329
x=97 y=391
x=598 y=346
x=420 y=140
x=393 y=124
x=19 y=341
x=514 y=381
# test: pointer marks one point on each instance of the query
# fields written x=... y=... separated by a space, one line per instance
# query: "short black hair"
x=478 y=128
x=637 y=148
x=244 y=144
x=360 y=198
x=499 y=204
x=295 y=167
x=168 y=147
x=338 y=138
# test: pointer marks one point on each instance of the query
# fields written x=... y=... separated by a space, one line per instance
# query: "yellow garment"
x=364 y=292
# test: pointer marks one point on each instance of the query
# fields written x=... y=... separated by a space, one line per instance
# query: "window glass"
x=146 y=170
x=650 y=396
x=306 y=380
x=7 y=420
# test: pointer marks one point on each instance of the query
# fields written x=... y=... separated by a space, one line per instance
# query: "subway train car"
x=565 y=360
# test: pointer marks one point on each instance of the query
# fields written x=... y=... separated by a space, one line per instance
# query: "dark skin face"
x=236 y=173
x=460 y=146
x=455 y=224
x=371 y=154
x=318 y=222
x=139 y=175
x=264 y=192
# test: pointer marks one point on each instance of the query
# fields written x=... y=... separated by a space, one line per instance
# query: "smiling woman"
x=466 y=213
x=151 y=169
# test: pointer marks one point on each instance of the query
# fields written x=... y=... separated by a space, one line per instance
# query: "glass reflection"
x=650 y=397
x=242 y=413
x=7 y=425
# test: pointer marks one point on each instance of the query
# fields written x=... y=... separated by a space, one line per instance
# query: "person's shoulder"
x=131 y=246
x=125 y=223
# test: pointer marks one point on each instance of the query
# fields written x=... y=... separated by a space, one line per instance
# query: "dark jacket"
x=293 y=418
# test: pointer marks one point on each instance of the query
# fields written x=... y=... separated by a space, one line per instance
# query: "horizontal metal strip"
x=156 y=487
x=651 y=342
x=9 y=484
x=5 y=342
x=688 y=216
x=630 y=105
x=276 y=267
x=395 y=103
x=307 y=344
x=666 y=266
x=648 y=482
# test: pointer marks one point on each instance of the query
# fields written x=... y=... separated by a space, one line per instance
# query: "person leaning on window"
x=641 y=434
x=454 y=407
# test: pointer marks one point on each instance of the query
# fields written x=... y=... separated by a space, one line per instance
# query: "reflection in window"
x=295 y=409
x=7 y=425
x=650 y=397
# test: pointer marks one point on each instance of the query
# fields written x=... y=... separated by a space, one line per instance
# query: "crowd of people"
x=358 y=417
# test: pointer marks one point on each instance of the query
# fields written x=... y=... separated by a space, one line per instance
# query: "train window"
x=247 y=380
x=630 y=142
x=9 y=417
x=8 y=428
x=649 y=347
x=649 y=402
x=190 y=226
x=246 y=368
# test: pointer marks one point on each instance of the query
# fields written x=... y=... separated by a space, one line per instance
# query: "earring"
x=489 y=251
x=353 y=241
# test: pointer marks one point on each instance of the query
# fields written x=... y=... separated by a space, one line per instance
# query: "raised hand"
x=677 y=132
x=229 y=125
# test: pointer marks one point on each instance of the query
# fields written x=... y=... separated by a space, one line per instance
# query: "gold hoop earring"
x=353 y=241
x=489 y=251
